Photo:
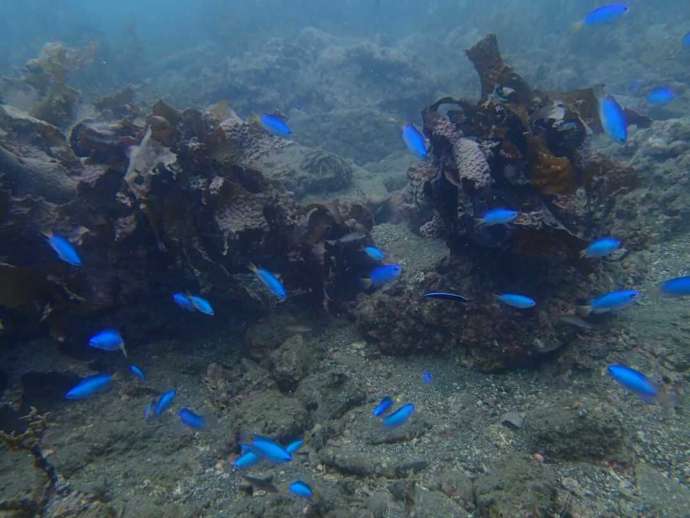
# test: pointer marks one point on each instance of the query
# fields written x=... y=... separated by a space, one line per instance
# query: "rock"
x=290 y=362
x=270 y=413
x=513 y=420
x=328 y=395
x=224 y=385
x=517 y=486
x=433 y=504
x=457 y=485
x=22 y=485
x=576 y=429
x=661 y=495
x=350 y=459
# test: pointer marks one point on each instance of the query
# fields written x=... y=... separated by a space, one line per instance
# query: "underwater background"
x=368 y=258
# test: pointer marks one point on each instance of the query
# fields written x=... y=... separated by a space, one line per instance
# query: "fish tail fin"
x=124 y=350
x=252 y=267
x=578 y=26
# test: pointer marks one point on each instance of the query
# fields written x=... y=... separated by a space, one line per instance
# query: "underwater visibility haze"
x=365 y=258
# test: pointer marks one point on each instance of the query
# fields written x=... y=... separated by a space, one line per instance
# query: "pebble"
x=513 y=420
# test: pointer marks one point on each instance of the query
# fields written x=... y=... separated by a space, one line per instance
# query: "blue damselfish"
x=613 y=119
x=400 y=416
x=164 y=402
x=137 y=372
x=302 y=489
x=614 y=301
x=603 y=15
x=374 y=253
x=383 y=406
x=384 y=274
x=108 y=340
x=275 y=124
x=414 y=141
x=270 y=450
x=516 y=301
x=660 y=96
x=246 y=460
x=294 y=446
x=632 y=380
x=202 y=305
x=183 y=300
x=498 y=217
x=192 y=419
x=678 y=287
x=89 y=386
x=270 y=281
x=64 y=249
x=602 y=247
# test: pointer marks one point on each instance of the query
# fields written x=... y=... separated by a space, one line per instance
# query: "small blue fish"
x=633 y=380
x=164 y=402
x=685 y=41
x=613 y=119
x=384 y=274
x=271 y=282
x=678 y=287
x=498 y=217
x=108 y=340
x=64 y=249
x=89 y=386
x=246 y=460
x=444 y=295
x=614 y=301
x=603 y=15
x=137 y=372
x=294 y=446
x=399 y=417
x=517 y=301
x=660 y=96
x=275 y=124
x=414 y=141
x=183 y=300
x=427 y=377
x=302 y=489
x=192 y=419
x=383 y=406
x=602 y=247
x=374 y=253
x=202 y=305
x=270 y=450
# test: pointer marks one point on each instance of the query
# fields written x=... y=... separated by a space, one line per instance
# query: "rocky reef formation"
x=167 y=200
x=518 y=148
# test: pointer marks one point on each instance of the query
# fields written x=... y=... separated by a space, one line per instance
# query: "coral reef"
x=516 y=148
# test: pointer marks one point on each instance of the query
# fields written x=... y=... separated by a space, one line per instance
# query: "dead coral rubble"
x=516 y=148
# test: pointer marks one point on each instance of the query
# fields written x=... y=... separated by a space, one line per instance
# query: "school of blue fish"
x=258 y=448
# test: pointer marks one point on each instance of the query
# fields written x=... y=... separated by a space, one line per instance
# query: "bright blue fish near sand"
x=89 y=386
x=108 y=340
x=660 y=96
x=183 y=300
x=685 y=41
x=516 y=301
x=498 y=217
x=399 y=417
x=302 y=489
x=272 y=282
x=614 y=301
x=202 y=305
x=192 y=419
x=275 y=124
x=137 y=372
x=384 y=274
x=633 y=380
x=246 y=460
x=294 y=446
x=374 y=253
x=64 y=249
x=427 y=377
x=383 y=407
x=164 y=402
x=678 y=287
x=414 y=141
x=270 y=450
x=613 y=119
x=603 y=15
x=602 y=247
